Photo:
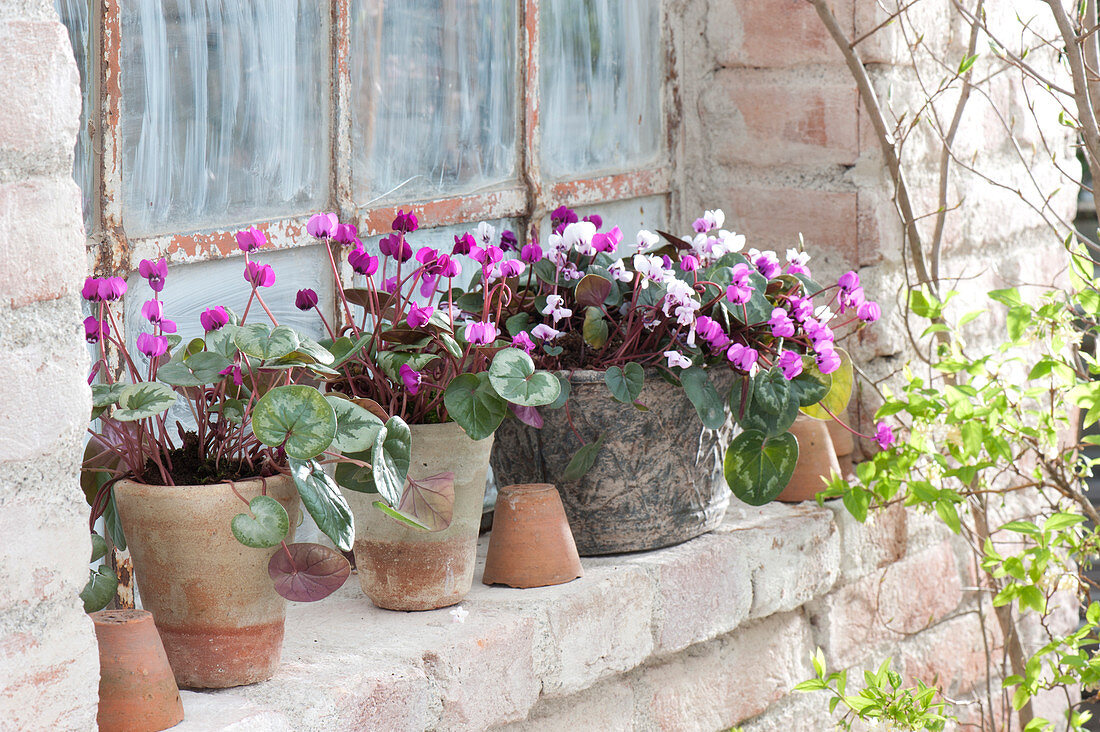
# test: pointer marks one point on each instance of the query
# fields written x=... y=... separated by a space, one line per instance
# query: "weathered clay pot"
x=211 y=597
x=137 y=692
x=657 y=481
x=531 y=544
x=403 y=568
x=816 y=460
x=843 y=444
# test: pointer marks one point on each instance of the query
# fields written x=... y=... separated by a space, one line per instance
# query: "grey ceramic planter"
x=656 y=482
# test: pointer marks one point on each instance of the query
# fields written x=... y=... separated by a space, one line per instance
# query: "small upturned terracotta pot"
x=531 y=544
x=816 y=460
x=403 y=568
x=213 y=601
x=137 y=692
x=843 y=444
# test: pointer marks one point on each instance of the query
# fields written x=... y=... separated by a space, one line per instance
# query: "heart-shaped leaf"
x=811 y=386
x=772 y=391
x=322 y=498
x=315 y=351
x=429 y=501
x=266 y=527
x=390 y=459
x=140 y=401
x=198 y=369
x=100 y=590
x=104 y=395
x=625 y=383
x=298 y=418
x=840 y=390
x=259 y=341
x=582 y=461
x=594 y=330
x=592 y=290
x=700 y=390
x=758 y=468
x=312 y=572
x=517 y=323
x=528 y=415
x=512 y=373
x=356 y=428
x=754 y=417
x=99 y=547
x=232 y=410
x=563 y=397
x=344 y=348
x=474 y=404
x=223 y=340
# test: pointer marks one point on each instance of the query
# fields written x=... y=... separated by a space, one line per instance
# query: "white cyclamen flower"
x=647 y=239
x=675 y=358
x=486 y=233
x=578 y=236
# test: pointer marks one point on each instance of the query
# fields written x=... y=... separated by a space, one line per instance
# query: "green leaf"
x=99 y=547
x=322 y=498
x=113 y=524
x=199 y=369
x=1060 y=521
x=356 y=427
x=966 y=63
x=266 y=527
x=517 y=323
x=296 y=417
x=140 y=401
x=840 y=390
x=104 y=395
x=512 y=373
x=1032 y=597
x=259 y=341
x=594 y=330
x=772 y=391
x=700 y=390
x=100 y=590
x=811 y=386
x=582 y=461
x=397 y=515
x=563 y=397
x=758 y=468
x=625 y=383
x=390 y=458
x=592 y=290
x=472 y=402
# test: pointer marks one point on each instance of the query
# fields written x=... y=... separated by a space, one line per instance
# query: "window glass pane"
x=600 y=70
x=74 y=14
x=433 y=97
x=224 y=111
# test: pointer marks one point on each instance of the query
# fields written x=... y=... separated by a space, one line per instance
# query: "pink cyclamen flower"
x=214 y=318
x=362 y=262
x=90 y=291
x=802 y=308
x=405 y=222
x=606 y=242
x=782 y=325
x=689 y=263
x=418 y=316
x=154 y=272
x=522 y=340
x=742 y=356
x=852 y=299
x=508 y=240
x=544 y=332
x=410 y=378
x=826 y=357
x=869 y=312
x=390 y=284
x=531 y=253
x=790 y=362
x=448 y=266
x=675 y=358
x=480 y=334
x=562 y=217
x=595 y=219
x=306 y=299
x=234 y=371
x=740 y=289
x=884 y=436
x=767 y=265
x=818 y=332
x=427 y=256
x=345 y=234
x=152 y=345
x=153 y=310
x=463 y=244
x=94 y=329
x=322 y=225
x=848 y=281
x=396 y=247
x=259 y=275
x=111 y=288
x=512 y=268
x=250 y=239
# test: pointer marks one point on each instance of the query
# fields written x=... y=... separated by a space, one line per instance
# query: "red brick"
x=873 y=544
x=772 y=218
x=41 y=240
x=763 y=118
x=772 y=33
x=951 y=656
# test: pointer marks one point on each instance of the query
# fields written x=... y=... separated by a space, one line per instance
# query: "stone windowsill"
x=349 y=665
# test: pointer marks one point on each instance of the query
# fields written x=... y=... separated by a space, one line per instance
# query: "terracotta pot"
x=816 y=460
x=531 y=544
x=844 y=445
x=137 y=692
x=402 y=568
x=656 y=482
x=211 y=597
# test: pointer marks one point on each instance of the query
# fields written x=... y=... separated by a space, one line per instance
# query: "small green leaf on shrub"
x=625 y=383
x=700 y=390
x=140 y=401
x=322 y=498
x=296 y=417
x=758 y=468
x=266 y=527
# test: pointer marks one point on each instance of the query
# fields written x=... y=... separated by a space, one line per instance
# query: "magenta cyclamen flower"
x=154 y=273
x=214 y=318
x=594 y=219
x=869 y=312
x=689 y=263
x=739 y=290
x=345 y=234
x=259 y=275
x=235 y=371
x=848 y=281
x=512 y=268
x=480 y=334
x=405 y=222
x=305 y=299
x=767 y=265
x=152 y=345
x=396 y=247
x=322 y=225
x=362 y=262
x=884 y=436
x=852 y=299
x=90 y=291
x=531 y=253
x=562 y=217
x=790 y=362
x=782 y=325
x=250 y=239
x=93 y=329
x=741 y=356
x=111 y=288
x=826 y=357
x=153 y=310
x=418 y=316
x=448 y=267
x=802 y=308
x=606 y=242
x=463 y=244
x=522 y=340
x=410 y=378
x=711 y=331
x=508 y=240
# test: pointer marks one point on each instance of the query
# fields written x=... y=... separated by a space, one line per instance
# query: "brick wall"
x=49 y=667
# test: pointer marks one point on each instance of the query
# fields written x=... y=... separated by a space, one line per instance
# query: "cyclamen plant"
x=688 y=308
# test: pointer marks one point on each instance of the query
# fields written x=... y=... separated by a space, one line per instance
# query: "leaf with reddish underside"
x=429 y=501
x=373 y=407
x=528 y=415
x=315 y=572
x=592 y=290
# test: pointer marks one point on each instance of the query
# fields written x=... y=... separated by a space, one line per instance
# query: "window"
x=203 y=116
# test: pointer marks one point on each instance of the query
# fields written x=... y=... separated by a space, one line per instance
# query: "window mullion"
x=340 y=119
x=113 y=250
x=529 y=152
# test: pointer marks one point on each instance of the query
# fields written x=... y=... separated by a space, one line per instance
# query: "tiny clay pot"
x=816 y=460
x=137 y=691
x=531 y=544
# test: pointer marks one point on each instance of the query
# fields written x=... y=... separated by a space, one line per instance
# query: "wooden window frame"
x=528 y=197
